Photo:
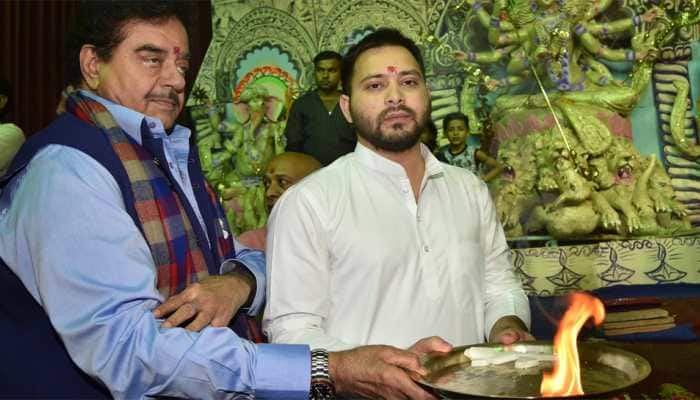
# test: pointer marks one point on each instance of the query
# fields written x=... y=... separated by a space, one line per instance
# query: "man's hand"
x=377 y=372
x=212 y=301
x=430 y=345
x=508 y=330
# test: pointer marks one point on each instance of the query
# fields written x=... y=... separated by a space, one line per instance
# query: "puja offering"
x=539 y=369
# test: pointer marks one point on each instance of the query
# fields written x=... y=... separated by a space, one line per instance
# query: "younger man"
x=316 y=125
x=387 y=245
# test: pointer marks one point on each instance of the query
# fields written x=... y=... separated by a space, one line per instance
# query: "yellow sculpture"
x=234 y=154
x=573 y=169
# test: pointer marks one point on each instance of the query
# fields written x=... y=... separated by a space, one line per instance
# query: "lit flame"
x=565 y=379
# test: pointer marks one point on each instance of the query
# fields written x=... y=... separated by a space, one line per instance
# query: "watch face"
x=322 y=391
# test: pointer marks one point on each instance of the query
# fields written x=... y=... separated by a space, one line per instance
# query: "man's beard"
x=400 y=140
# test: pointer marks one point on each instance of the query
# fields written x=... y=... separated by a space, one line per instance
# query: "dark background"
x=32 y=36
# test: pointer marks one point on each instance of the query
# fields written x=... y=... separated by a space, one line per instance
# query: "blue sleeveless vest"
x=33 y=360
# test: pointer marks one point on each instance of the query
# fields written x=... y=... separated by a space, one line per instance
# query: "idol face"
x=390 y=102
x=146 y=72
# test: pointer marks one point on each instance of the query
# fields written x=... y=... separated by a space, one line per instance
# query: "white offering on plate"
x=485 y=356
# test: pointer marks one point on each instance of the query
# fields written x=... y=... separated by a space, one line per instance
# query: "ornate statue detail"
x=235 y=151
x=567 y=137
x=540 y=79
x=557 y=187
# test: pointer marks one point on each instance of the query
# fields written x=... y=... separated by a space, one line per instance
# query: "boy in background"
x=460 y=154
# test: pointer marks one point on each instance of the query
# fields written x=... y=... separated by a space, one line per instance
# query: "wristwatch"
x=322 y=387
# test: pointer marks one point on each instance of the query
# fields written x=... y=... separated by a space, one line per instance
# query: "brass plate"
x=604 y=369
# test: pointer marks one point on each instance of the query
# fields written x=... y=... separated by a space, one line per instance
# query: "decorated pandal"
x=563 y=123
x=574 y=171
x=590 y=103
x=540 y=82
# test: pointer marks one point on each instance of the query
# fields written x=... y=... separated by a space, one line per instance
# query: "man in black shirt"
x=316 y=125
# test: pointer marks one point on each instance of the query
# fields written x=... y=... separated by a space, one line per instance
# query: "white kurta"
x=352 y=258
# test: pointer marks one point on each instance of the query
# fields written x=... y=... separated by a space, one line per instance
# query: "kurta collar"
x=376 y=162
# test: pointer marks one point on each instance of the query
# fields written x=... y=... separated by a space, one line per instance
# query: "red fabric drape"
x=31 y=54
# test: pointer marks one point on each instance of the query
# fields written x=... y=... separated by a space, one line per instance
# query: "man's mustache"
x=171 y=95
x=385 y=112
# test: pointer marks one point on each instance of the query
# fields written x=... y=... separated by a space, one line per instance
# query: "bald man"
x=282 y=172
x=285 y=170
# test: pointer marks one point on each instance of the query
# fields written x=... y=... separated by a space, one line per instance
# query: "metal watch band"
x=322 y=387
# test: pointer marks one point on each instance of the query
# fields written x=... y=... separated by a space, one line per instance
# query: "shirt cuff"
x=254 y=262
x=282 y=371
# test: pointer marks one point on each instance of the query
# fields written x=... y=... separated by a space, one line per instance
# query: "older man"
x=105 y=214
x=387 y=244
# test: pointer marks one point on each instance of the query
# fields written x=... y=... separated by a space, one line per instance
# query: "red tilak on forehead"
x=391 y=69
x=177 y=51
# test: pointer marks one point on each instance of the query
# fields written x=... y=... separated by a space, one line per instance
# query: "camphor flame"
x=565 y=379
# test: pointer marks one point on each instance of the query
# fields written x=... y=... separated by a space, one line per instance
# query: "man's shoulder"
x=324 y=191
x=66 y=122
x=333 y=171
x=67 y=131
x=307 y=96
x=326 y=179
x=462 y=175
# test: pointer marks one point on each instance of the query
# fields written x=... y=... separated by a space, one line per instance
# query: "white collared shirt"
x=353 y=259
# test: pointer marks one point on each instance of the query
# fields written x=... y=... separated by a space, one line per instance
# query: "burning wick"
x=565 y=379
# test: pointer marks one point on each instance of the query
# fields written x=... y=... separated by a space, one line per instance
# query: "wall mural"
x=591 y=103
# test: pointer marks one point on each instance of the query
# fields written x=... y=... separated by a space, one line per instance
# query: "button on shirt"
x=65 y=233
x=352 y=258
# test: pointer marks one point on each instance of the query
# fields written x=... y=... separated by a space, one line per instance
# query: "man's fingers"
x=199 y=323
x=221 y=319
x=170 y=305
x=185 y=312
x=411 y=389
x=431 y=344
x=405 y=359
x=510 y=336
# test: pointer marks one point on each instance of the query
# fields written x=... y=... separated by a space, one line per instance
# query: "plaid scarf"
x=165 y=225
